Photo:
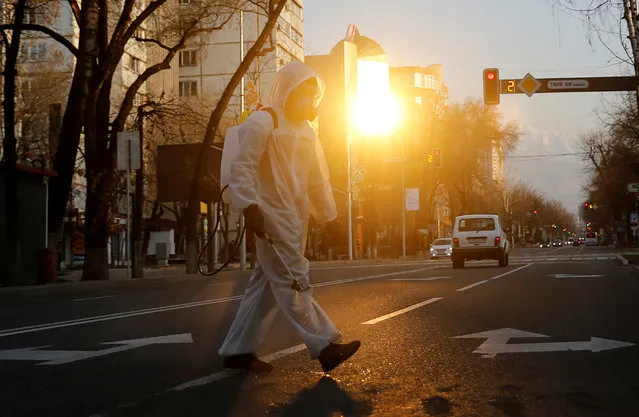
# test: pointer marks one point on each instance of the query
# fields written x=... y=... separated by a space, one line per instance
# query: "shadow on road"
x=325 y=399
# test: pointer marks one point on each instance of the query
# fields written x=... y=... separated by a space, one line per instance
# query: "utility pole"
x=137 y=256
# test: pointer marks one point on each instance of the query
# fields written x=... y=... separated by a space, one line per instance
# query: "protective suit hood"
x=290 y=77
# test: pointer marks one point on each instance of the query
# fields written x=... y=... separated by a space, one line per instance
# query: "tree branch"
x=154 y=41
x=47 y=31
x=75 y=9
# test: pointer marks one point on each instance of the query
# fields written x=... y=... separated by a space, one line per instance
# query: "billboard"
x=176 y=165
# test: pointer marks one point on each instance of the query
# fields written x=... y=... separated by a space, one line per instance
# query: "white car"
x=441 y=247
x=479 y=236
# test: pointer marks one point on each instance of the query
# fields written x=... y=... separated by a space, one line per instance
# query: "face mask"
x=303 y=103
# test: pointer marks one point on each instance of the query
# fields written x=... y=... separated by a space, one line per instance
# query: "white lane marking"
x=205 y=380
x=415 y=263
x=402 y=311
x=92 y=298
x=493 y=278
x=574 y=276
x=418 y=279
x=368 y=277
x=115 y=316
x=551 y=259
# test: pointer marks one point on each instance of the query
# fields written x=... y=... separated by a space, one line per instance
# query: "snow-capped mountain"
x=535 y=162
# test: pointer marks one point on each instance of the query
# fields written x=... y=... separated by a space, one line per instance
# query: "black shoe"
x=336 y=353
x=247 y=362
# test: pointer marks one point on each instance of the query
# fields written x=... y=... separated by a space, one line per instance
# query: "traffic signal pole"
x=494 y=87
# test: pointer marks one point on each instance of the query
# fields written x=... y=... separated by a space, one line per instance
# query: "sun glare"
x=375 y=111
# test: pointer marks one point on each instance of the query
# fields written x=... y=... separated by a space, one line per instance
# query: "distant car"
x=591 y=239
x=557 y=244
x=575 y=243
x=544 y=245
x=441 y=247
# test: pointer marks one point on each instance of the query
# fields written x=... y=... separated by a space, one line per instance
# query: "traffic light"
x=437 y=158
x=492 y=87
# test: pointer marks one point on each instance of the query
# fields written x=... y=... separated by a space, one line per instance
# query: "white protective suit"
x=284 y=172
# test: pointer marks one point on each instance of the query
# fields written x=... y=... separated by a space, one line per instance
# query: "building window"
x=32 y=17
x=133 y=63
x=296 y=8
x=297 y=37
x=188 y=58
x=36 y=52
x=27 y=85
x=188 y=88
x=140 y=33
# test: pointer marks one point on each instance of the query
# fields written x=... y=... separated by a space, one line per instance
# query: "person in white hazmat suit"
x=278 y=178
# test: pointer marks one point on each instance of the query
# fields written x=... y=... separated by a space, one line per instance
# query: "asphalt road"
x=554 y=334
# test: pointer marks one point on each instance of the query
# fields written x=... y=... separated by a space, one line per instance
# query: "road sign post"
x=128 y=152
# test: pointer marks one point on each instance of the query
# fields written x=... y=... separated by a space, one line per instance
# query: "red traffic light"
x=586 y=205
x=535 y=211
x=438 y=152
x=491 y=86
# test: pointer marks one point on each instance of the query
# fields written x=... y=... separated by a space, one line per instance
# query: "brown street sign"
x=530 y=85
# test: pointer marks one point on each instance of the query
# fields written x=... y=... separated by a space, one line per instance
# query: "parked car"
x=479 y=236
x=441 y=247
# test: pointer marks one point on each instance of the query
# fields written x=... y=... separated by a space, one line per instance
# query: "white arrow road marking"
x=497 y=342
x=595 y=344
x=59 y=357
x=402 y=311
x=418 y=279
x=574 y=276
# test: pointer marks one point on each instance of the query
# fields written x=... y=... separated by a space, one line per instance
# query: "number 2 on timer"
x=511 y=86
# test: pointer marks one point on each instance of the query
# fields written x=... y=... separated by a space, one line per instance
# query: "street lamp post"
x=349 y=196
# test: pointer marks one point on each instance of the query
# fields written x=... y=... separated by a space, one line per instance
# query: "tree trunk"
x=100 y=179
x=10 y=152
x=72 y=121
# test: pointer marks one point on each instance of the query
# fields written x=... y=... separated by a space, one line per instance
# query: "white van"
x=479 y=236
x=591 y=239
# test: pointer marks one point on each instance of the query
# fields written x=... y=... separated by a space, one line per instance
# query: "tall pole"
x=403 y=206
x=128 y=210
x=439 y=227
x=138 y=205
x=349 y=196
x=240 y=233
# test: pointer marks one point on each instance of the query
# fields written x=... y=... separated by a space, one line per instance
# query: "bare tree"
x=12 y=46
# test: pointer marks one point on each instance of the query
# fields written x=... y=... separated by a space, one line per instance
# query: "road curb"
x=621 y=260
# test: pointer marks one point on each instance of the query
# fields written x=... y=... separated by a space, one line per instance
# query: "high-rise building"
x=209 y=61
